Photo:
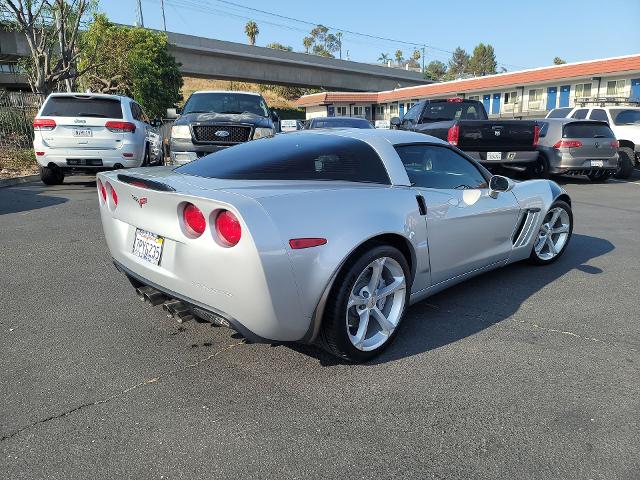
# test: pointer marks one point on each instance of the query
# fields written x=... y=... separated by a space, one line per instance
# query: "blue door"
x=495 y=106
x=564 y=95
x=552 y=93
x=401 y=110
x=331 y=111
x=486 y=101
x=635 y=89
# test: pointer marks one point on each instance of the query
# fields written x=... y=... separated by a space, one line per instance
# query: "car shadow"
x=462 y=310
x=25 y=198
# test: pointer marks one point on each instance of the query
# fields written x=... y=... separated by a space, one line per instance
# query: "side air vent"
x=526 y=227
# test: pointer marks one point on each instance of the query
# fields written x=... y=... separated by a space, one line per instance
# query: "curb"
x=8 y=182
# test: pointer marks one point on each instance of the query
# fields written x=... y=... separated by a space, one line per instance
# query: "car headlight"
x=262 y=133
x=180 y=131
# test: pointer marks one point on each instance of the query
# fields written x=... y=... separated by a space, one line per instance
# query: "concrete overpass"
x=208 y=58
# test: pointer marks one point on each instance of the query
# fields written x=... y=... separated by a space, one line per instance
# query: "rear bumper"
x=560 y=163
x=507 y=157
x=90 y=160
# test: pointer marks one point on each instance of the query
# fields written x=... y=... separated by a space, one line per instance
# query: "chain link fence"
x=17 y=111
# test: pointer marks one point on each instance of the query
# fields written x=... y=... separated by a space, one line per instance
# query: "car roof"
x=339 y=118
x=372 y=135
x=227 y=91
x=89 y=94
x=570 y=120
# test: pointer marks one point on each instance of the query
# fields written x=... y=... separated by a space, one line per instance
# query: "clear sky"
x=524 y=34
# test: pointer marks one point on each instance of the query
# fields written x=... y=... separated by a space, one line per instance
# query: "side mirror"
x=395 y=121
x=173 y=112
x=498 y=184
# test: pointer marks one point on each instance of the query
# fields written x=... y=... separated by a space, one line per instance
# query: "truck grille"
x=216 y=133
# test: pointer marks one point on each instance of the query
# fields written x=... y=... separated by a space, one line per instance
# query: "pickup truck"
x=214 y=120
x=465 y=124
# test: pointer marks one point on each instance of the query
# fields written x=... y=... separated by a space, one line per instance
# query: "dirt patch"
x=17 y=163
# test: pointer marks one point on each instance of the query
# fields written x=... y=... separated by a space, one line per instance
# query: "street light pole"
x=164 y=21
x=423 y=53
x=140 y=19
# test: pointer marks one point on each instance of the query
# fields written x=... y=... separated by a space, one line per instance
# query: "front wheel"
x=554 y=234
x=366 y=305
x=540 y=168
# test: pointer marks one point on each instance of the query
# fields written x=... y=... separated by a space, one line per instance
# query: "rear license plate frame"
x=597 y=163
x=494 y=156
x=82 y=133
x=148 y=246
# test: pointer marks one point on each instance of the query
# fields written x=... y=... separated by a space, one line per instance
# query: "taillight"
x=536 y=134
x=568 y=144
x=298 y=243
x=228 y=228
x=453 y=134
x=103 y=191
x=44 y=124
x=615 y=144
x=40 y=154
x=455 y=99
x=120 y=127
x=194 y=220
x=114 y=195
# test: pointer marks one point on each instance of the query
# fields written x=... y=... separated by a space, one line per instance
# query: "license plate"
x=494 y=156
x=148 y=246
x=81 y=132
x=597 y=163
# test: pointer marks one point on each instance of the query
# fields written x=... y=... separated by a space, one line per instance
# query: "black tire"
x=534 y=258
x=540 y=168
x=626 y=163
x=146 y=161
x=599 y=176
x=51 y=175
x=333 y=335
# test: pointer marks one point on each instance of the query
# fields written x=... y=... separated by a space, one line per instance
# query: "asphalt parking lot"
x=526 y=372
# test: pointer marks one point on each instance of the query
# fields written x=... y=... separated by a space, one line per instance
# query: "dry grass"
x=17 y=163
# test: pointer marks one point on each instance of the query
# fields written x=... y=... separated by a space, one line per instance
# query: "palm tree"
x=308 y=43
x=399 y=57
x=383 y=58
x=252 y=31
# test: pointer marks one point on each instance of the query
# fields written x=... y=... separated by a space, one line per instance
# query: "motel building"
x=526 y=93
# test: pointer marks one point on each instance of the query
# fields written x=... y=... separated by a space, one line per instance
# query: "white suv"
x=625 y=123
x=88 y=132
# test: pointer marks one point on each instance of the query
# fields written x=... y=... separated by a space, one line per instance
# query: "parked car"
x=299 y=237
x=338 y=122
x=623 y=120
x=578 y=147
x=214 y=120
x=465 y=124
x=88 y=133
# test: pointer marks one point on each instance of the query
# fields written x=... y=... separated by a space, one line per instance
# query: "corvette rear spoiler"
x=144 y=183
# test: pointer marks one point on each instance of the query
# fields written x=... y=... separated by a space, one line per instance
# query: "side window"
x=582 y=113
x=430 y=166
x=598 y=114
x=135 y=111
x=413 y=113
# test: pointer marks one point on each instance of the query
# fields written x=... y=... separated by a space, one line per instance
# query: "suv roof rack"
x=604 y=101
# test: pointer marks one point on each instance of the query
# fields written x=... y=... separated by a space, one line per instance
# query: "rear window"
x=559 y=113
x=82 y=106
x=294 y=156
x=442 y=111
x=341 y=123
x=587 y=130
x=625 y=117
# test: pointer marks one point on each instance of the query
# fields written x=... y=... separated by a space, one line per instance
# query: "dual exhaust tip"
x=174 y=308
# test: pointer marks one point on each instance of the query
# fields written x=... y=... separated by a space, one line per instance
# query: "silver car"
x=578 y=147
x=323 y=236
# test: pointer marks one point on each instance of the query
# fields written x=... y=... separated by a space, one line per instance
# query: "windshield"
x=443 y=111
x=625 y=117
x=226 y=102
x=82 y=106
x=337 y=122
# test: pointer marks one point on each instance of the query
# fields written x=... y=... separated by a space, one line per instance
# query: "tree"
x=399 y=57
x=308 y=43
x=134 y=62
x=483 y=61
x=279 y=46
x=413 y=60
x=458 y=64
x=322 y=42
x=52 y=29
x=384 y=58
x=252 y=31
x=435 y=70
x=559 y=61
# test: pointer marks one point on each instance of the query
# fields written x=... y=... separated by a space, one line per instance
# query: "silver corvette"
x=323 y=236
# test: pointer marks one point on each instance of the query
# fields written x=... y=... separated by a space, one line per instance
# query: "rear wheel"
x=51 y=175
x=539 y=168
x=626 y=162
x=146 y=161
x=600 y=176
x=554 y=234
x=366 y=305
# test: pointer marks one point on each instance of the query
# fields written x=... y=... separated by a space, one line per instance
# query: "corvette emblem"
x=140 y=201
x=221 y=133
x=497 y=133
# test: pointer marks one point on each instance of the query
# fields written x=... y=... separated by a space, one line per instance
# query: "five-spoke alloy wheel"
x=554 y=234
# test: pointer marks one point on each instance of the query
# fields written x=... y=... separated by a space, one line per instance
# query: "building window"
x=393 y=109
x=341 y=111
x=474 y=97
x=615 y=87
x=380 y=110
x=535 y=98
x=582 y=90
x=510 y=97
x=357 y=111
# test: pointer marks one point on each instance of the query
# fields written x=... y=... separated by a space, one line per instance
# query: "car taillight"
x=568 y=144
x=455 y=99
x=228 y=228
x=120 y=127
x=44 y=124
x=536 y=134
x=114 y=195
x=298 y=243
x=615 y=144
x=194 y=220
x=453 y=134
x=103 y=190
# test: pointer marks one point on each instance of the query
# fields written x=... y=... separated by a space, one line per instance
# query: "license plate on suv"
x=148 y=246
x=82 y=132
x=494 y=155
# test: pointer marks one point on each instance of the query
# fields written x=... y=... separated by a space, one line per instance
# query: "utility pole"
x=423 y=53
x=164 y=21
x=139 y=19
x=339 y=35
